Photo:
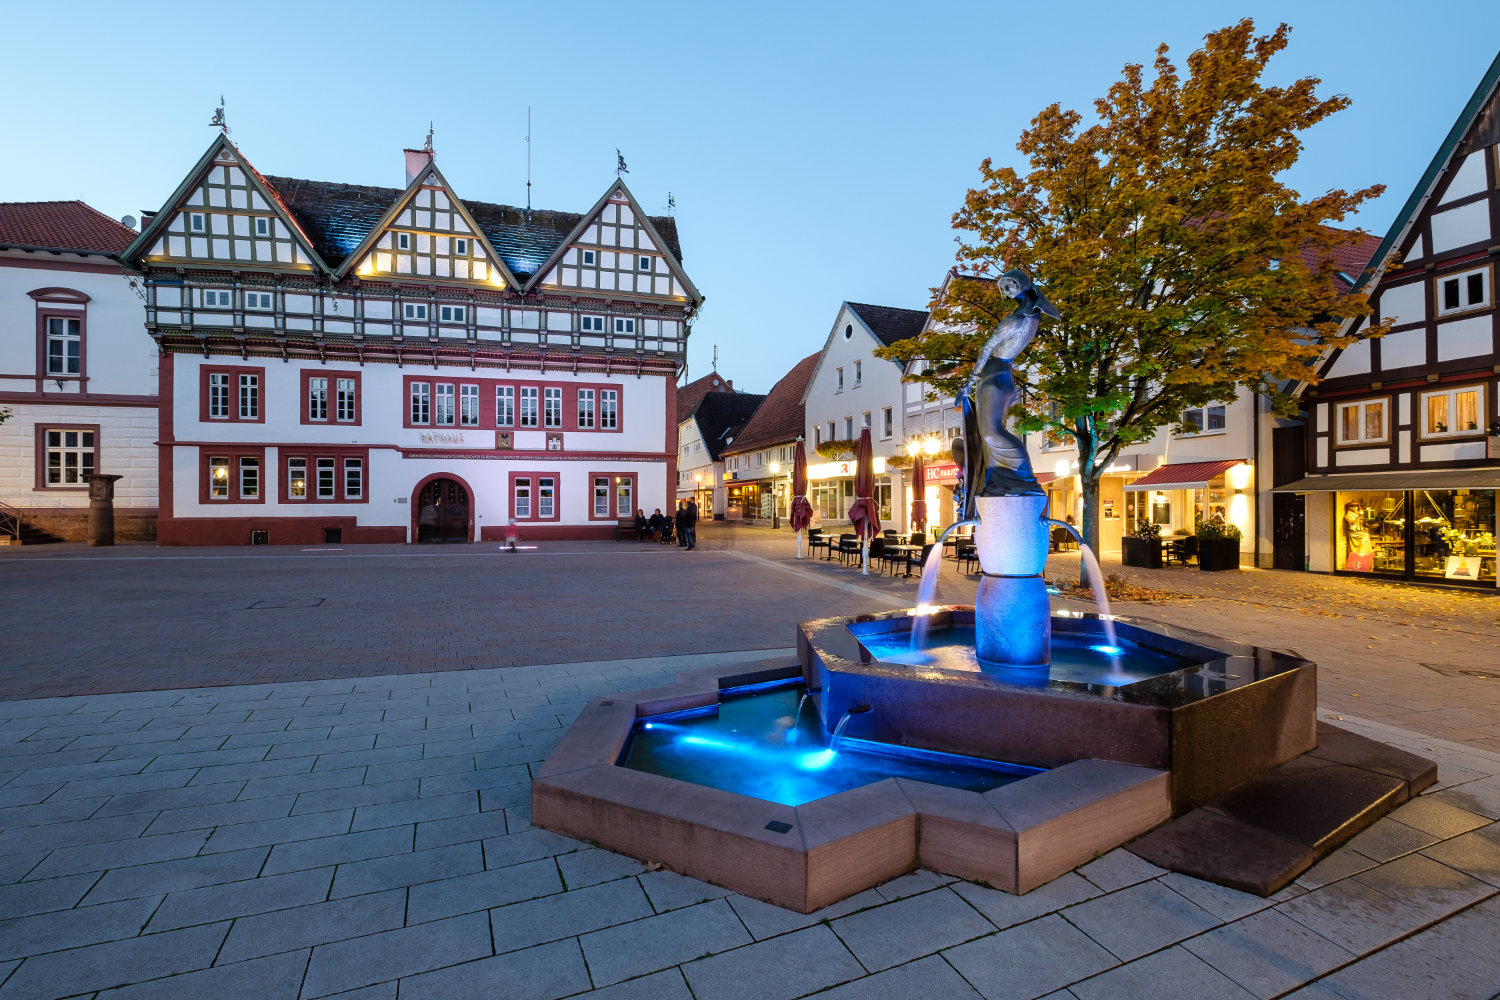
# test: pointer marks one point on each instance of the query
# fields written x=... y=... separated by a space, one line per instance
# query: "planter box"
x=1215 y=554
x=1145 y=552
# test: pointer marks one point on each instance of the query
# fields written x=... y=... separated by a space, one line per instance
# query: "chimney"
x=416 y=161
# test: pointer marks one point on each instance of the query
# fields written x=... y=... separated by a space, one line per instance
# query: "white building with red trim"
x=79 y=378
x=359 y=364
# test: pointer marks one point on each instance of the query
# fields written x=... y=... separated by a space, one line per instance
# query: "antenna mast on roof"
x=427 y=146
x=716 y=357
x=528 y=164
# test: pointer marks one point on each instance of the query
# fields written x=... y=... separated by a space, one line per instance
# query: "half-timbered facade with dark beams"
x=1403 y=433
x=362 y=364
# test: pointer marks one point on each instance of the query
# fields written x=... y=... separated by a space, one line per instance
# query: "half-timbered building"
x=365 y=364
x=1402 y=444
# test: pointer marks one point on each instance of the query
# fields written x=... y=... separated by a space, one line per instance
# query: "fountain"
x=1006 y=742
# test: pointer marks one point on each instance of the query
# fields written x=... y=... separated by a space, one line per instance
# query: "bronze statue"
x=993 y=460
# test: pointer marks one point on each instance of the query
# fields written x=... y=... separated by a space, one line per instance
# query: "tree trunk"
x=1090 y=526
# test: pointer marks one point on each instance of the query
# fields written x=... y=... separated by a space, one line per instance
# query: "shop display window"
x=1418 y=534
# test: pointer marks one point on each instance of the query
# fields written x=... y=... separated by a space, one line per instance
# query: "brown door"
x=443 y=512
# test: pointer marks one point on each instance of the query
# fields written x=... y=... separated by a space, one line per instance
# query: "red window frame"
x=635 y=496
x=234 y=372
x=63 y=303
x=310 y=455
x=233 y=452
x=332 y=375
x=536 y=475
x=489 y=394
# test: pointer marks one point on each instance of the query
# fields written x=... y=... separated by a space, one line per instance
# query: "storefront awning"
x=1045 y=477
x=1183 y=476
x=1486 y=478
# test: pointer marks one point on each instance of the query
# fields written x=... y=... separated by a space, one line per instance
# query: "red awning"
x=1045 y=477
x=1183 y=476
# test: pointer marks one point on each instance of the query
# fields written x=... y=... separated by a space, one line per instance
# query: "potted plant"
x=1218 y=544
x=1143 y=548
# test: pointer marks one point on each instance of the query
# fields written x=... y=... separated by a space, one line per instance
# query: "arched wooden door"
x=443 y=511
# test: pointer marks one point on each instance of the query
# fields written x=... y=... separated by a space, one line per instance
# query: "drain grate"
x=286 y=602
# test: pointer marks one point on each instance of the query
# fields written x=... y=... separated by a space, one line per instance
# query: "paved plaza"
x=297 y=774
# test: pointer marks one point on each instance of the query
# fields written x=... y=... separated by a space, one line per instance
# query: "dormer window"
x=262 y=226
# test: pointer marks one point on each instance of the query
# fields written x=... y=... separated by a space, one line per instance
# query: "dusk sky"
x=816 y=151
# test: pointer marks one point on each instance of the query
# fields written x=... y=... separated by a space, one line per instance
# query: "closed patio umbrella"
x=863 y=515
x=919 y=490
x=801 y=509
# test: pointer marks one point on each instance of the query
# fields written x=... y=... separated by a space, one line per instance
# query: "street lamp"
x=775 y=510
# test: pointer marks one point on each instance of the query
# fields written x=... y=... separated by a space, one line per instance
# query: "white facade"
x=851 y=389
x=78 y=365
x=699 y=477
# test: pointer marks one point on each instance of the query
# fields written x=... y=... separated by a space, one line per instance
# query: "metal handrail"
x=10 y=521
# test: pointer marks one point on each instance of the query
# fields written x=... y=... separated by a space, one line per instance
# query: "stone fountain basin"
x=1230 y=713
x=805 y=857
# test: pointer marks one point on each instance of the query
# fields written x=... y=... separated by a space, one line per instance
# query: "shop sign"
x=1109 y=509
x=841 y=470
x=933 y=473
x=1493 y=451
x=1462 y=568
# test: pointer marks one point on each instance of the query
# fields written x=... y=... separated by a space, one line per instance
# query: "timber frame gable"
x=613 y=264
x=434 y=227
x=224 y=215
x=1454 y=179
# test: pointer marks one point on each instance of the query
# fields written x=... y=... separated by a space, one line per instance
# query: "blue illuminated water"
x=1080 y=659
x=749 y=746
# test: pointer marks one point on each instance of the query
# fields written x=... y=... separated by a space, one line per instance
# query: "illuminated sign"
x=838 y=470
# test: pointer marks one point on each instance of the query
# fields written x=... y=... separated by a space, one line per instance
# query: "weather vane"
x=620 y=167
x=427 y=146
x=671 y=204
x=219 y=121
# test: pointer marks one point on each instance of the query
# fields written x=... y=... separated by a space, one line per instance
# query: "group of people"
x=683 y=525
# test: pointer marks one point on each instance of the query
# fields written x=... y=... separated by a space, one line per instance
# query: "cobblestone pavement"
x=82 y=621
x=369 y=838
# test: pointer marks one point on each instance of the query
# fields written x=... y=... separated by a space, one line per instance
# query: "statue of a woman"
x=994 y=460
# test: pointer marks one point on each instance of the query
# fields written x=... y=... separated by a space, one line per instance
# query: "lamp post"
x=697 y=487
x=775 y=509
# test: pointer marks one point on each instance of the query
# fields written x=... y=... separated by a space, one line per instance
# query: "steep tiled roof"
x=889 y=323
x=339 y=216
x=720 y=414
x=1348 y=258
x=780 y=418
x=690 y=395
x=61 y=225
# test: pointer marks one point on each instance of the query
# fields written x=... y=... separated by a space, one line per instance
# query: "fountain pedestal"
x=1012 y=614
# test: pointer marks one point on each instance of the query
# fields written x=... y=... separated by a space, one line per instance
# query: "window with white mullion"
x=546 y=498
x=609 y=409
x=346 y=400
x=521 y=503
x=354 y=478
x=601 y=496
x=1462 y=292
x=443 y=412
x=218 y=477
x=64 y=346
x=552 y=406
x=1363 y=422
x=624 y=496
x=421 y=403
x=296 y=478
x=1453 y=412
x=327 y=487
x=249 y=478
x=528 y=406
x=249 y=397
x=218 y=396
x=317 y=398
x=505 y=406
x=586 y=409
x=70 y=457
x=468 y=405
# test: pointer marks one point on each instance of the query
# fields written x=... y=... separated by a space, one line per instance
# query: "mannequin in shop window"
x=1360 y=551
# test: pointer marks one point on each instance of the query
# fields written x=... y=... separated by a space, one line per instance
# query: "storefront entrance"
x=442 y=511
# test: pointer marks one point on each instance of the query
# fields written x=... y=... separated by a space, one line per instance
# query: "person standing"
x=679 y=520
x=692 y=524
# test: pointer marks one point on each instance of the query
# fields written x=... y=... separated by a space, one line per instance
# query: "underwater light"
x=817 y=760
x=1107 y=650
x=701 y=741
x=648 y=725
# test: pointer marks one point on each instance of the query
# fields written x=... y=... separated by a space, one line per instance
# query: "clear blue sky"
x=816 y=150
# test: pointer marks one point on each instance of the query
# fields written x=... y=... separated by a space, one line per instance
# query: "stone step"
x=1270 y=829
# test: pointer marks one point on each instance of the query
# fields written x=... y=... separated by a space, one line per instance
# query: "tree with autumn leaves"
x=1183 y=267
